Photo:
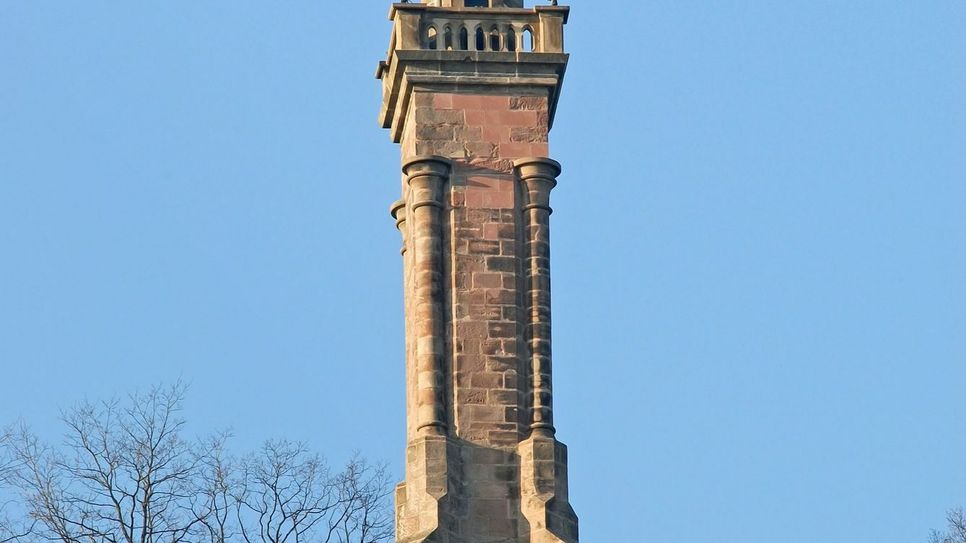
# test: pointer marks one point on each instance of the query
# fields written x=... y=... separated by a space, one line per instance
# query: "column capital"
x=531 y=167
x=539 y=177
x=418 y=166
x=398 y=212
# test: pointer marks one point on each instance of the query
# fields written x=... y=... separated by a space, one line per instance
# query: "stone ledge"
x=455 y=71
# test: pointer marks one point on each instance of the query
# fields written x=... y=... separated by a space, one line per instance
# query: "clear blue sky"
x=759 y=246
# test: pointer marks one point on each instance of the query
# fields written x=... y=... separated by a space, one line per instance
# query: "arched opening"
x=480 y=39
x=448 y=39
x=528 y=39
x=432 y=41
x=495 y=39
x=511 y=39
x=464 y=39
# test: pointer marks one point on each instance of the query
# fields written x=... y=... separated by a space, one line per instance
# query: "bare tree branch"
x=10 y=531
x=956 y=530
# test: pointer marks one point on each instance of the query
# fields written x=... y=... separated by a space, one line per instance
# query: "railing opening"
x=511 y=39
x=480 y=39
x=495 y=39
x=431 y=38
x=464 y=39
x=528 y=39
x=448 y=39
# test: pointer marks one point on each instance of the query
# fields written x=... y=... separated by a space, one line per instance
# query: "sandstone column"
x=538 y=177
x=426 y=177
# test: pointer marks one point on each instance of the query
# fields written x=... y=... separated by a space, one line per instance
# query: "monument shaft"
x=470 y=94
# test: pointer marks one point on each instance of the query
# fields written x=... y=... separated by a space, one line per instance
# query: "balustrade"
x=507 y=37
x=538 y=30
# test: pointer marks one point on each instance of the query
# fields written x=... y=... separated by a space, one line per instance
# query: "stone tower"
x=469 y=91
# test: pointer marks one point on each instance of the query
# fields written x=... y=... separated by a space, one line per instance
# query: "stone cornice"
x=453 y=71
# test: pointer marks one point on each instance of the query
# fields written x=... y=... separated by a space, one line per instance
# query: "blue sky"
x=759 y=246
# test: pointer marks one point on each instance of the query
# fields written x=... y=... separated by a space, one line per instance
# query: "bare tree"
x=289 y=495
x=957 y=528
x=126 y=474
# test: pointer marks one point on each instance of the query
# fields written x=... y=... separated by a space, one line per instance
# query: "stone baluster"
x=427 y=176
x=512 y=31
x=472 y=26
x=538 y=177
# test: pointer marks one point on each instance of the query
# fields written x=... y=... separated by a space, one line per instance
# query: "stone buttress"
x=470 y=90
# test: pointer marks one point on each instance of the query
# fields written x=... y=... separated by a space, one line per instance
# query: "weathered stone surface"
x=483 y=465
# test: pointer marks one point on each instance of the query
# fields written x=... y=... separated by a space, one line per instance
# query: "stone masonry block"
x=434 y=116
x=537 y=103
x=525 y=134
x=487 y=280
x=501 y=330
x=501 y=263
x=474 y=117
x=436 y=132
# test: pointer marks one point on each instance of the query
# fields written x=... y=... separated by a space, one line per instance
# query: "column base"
x=544 y=492
x=423 y=510
x=460 y=492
